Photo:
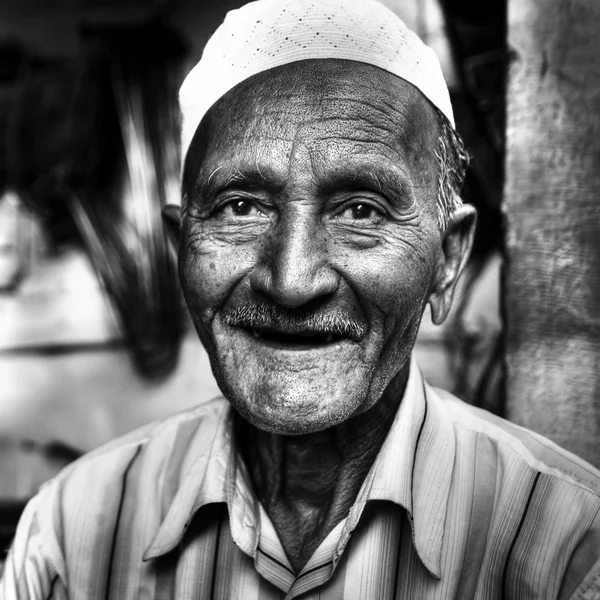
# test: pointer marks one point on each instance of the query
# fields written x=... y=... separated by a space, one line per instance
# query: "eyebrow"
x=247 y=178
x=392 y=184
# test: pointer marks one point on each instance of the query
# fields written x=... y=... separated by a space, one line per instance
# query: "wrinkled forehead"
x=339 y=105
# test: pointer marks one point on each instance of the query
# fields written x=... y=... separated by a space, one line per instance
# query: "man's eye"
x=241 y=208
x=361 y=211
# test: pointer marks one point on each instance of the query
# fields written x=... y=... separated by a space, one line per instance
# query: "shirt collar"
x=414 y=466
x=212 y=475
x=413 y=469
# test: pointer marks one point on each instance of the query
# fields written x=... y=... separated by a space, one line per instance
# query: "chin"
x=293 y=410
x=291 y=396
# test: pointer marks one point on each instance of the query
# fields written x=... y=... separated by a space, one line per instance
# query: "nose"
x=293 y=269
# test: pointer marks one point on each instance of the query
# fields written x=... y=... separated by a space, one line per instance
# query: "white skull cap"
x=269 y=33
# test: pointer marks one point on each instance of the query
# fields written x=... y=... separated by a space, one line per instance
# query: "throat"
x=308 y=483
x=306 y=489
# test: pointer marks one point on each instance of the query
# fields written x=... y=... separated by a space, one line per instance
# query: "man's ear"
x=456 y=248
x=171 y=219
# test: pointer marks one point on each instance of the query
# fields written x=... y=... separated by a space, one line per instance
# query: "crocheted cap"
x=269 y=33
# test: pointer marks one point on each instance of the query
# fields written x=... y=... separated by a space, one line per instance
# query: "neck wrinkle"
x=308 y=483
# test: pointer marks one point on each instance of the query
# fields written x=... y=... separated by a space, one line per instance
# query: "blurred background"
x=94 y=338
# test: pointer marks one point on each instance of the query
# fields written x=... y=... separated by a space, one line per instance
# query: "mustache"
x=296 y=321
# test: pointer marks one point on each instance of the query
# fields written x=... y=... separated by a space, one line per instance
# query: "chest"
x=379 y=561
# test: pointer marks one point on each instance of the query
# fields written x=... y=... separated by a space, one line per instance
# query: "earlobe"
x=171 y=219
x=456 y=248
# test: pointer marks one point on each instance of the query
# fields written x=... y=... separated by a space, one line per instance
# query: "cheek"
x=209 y=269
x=392 y=285
x=390 y=280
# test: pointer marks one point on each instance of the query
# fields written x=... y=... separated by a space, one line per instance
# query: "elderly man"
x=320 y=216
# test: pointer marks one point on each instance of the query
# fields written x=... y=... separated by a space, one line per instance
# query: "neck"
x=307 y=483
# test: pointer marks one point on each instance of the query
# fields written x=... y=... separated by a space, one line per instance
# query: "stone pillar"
x=552 y=207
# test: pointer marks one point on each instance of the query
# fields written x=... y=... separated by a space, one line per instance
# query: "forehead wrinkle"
x=357 y=135
x=249 y=175
x=361 y=107
x=400 y=129
x=307 y=105
x=363 y=121
x=306 y=112
x=390 y=181
x=212 y=174
x=362 y=153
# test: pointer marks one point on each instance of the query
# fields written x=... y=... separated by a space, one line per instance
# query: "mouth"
x=305 y=340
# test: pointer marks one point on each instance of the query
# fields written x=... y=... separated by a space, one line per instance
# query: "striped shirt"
x=458 y=504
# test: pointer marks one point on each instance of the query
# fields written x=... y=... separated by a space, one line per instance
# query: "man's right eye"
x=241 y=208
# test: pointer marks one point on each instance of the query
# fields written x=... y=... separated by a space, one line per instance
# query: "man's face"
x=309 y=243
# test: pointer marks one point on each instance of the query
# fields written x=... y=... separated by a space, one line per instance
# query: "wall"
x=552 y=206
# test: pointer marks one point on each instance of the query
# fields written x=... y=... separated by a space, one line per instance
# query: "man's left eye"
x=362 y=212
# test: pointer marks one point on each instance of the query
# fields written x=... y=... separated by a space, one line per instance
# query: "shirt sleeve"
x=590 y=586
x=583 y=572
x=30 y=571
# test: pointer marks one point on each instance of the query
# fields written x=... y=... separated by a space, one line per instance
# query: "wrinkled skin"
x=312 y=189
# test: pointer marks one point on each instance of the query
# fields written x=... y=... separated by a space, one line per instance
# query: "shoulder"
x=528 y=447
x=151 y=448
x=542 y=502
x=87 y=495
x=74 y=516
